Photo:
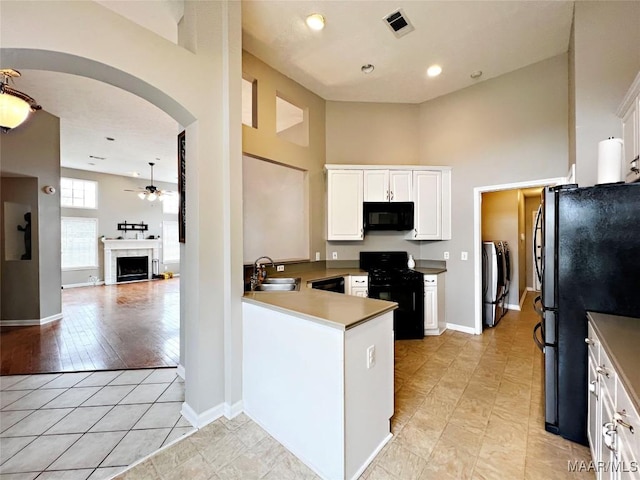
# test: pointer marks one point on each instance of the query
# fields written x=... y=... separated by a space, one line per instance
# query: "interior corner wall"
x=33 y=150
x=607 y=59
x=500 y=211
x=509 y=129
x=522 y=247
x=263 y=142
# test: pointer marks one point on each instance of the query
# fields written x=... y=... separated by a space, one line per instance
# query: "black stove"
x=390 y=279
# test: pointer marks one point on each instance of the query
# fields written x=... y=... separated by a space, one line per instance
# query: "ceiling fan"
x=151 y=192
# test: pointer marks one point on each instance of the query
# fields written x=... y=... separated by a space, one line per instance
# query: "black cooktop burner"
x=402 y=276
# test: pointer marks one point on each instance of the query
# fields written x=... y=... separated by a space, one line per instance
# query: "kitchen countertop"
x=620 y=337
x=333 y=309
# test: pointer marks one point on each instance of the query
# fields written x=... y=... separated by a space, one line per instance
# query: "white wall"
x=115 y=205
x=607 y=59
x=509 y=129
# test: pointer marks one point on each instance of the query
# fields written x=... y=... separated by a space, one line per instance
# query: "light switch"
x=371 y=356
x=446 y=255
x=464 y=255
x=334 y=255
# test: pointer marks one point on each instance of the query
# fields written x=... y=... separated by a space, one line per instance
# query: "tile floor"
x=466 y=407
x=86 y=425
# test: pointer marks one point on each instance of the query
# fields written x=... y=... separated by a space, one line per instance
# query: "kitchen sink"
x=280 y=280
x=278 y=284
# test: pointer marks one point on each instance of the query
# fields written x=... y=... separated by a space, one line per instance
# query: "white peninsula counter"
x=318 y=375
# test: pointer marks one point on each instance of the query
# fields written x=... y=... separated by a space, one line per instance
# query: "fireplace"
x=132 y=268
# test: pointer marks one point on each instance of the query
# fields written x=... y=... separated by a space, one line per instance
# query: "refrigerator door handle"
x=535 y=336
x=539 y=311
x=535 y=254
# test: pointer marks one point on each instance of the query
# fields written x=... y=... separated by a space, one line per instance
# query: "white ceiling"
x=462 y=36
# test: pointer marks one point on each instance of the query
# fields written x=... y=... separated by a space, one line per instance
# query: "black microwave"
x=388 y=216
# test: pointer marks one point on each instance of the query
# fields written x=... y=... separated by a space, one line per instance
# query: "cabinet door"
x=359 y=292
x=344 y=209
x=630 y=133
x=608 y=434
x=428 y=205
x=400 y=185
x=376 y=185
x=430 y=308
x=593 y=424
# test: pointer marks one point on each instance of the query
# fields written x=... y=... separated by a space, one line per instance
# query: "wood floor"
x=135 y=325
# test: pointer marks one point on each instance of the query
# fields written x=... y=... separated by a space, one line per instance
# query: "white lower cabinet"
x=359 y=286
x=434 y=316
x=613 y=422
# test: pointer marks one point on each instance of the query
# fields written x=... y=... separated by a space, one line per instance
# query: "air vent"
x=399 y=23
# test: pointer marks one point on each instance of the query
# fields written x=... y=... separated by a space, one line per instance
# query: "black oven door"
x=408 y=318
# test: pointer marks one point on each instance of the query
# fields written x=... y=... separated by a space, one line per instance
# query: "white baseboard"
x=372 y=456
x=181 y=372
x=511 y=306
x=204 y=418
x=30 y=322
x=461 y=328
x=433 y=332
x=231 y=411
x=85 y=284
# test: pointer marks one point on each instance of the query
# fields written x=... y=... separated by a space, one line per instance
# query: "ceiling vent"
x=399 y=23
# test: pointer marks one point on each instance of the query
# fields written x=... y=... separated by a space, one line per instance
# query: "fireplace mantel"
x=127 y=248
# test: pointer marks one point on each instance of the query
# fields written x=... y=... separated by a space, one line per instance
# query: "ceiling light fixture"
x=434 y=70
x=151 y=192
x=315 y=21
x=15 y=106
x=476 y=74
x=368 y=68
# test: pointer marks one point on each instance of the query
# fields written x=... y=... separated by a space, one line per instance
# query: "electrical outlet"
x=317 y=256
x=446 y=255
x=464 y=255
x=334 y=255
x=371 y=356
x=280 y=268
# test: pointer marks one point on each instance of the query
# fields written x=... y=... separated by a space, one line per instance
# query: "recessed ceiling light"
x=476 y=74
x=368 y=68
x=434 y=70
x=315 y=21
x=110 y=139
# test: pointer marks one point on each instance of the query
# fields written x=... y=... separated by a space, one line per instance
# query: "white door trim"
x=477 y=234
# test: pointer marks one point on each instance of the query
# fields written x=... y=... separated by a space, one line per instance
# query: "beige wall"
x=509 y=129
x=607 y=59
x=31 y=288
x=522 y=250
x=263 y=142
x=500 y=223
x=117 y=206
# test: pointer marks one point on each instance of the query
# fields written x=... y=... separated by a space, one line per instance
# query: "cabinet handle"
x=603 y=371
x=588 y=341
x=387 y=194
x=608 y=432
x=391 y=195
x=618 y=418
x=415 y=233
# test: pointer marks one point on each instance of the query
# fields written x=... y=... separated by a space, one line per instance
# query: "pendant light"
x=15 y=106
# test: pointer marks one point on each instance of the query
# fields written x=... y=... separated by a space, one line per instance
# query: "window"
x=249 y=102
x=79 y=243
x=76 y=193
x=170 y=244
x=292 y=122
x=170 y=203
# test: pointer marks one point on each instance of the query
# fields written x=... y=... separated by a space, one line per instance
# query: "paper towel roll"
x=610 y=160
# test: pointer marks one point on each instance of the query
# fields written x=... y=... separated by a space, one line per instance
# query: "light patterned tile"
x=160 y=415
x=109 y=395
x=67 y=380
x=178 y=432
x=66 y=475
x=74 y=397
x=121 y=417
x=135 y=445
x=7 y=380
x=33 y=382
x=99 y=379
x=162 y=375
x=36 y=423
x=39 y=454
x=131 y=377
x=11 y=445
x=401 y=462
x=80 y=420
x=105 y=473
x=88 y=451
x=35 y=399
x=173 y=393
x=147 y=393
x=9 y=397
x=195 y=468
x=10 y=418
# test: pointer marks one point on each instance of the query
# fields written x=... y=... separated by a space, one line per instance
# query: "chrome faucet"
x=259 y=272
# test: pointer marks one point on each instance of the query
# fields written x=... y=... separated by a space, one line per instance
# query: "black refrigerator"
x=590 y=262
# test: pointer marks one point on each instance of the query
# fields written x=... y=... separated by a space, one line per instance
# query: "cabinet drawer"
x=627 y=419
x=430 y=280
x=359 y=281
x=607 y=374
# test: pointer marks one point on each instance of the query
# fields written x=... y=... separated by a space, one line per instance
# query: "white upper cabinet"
x=387 y=186
x=351 y=185
x=344 y=205
x=432 y=205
